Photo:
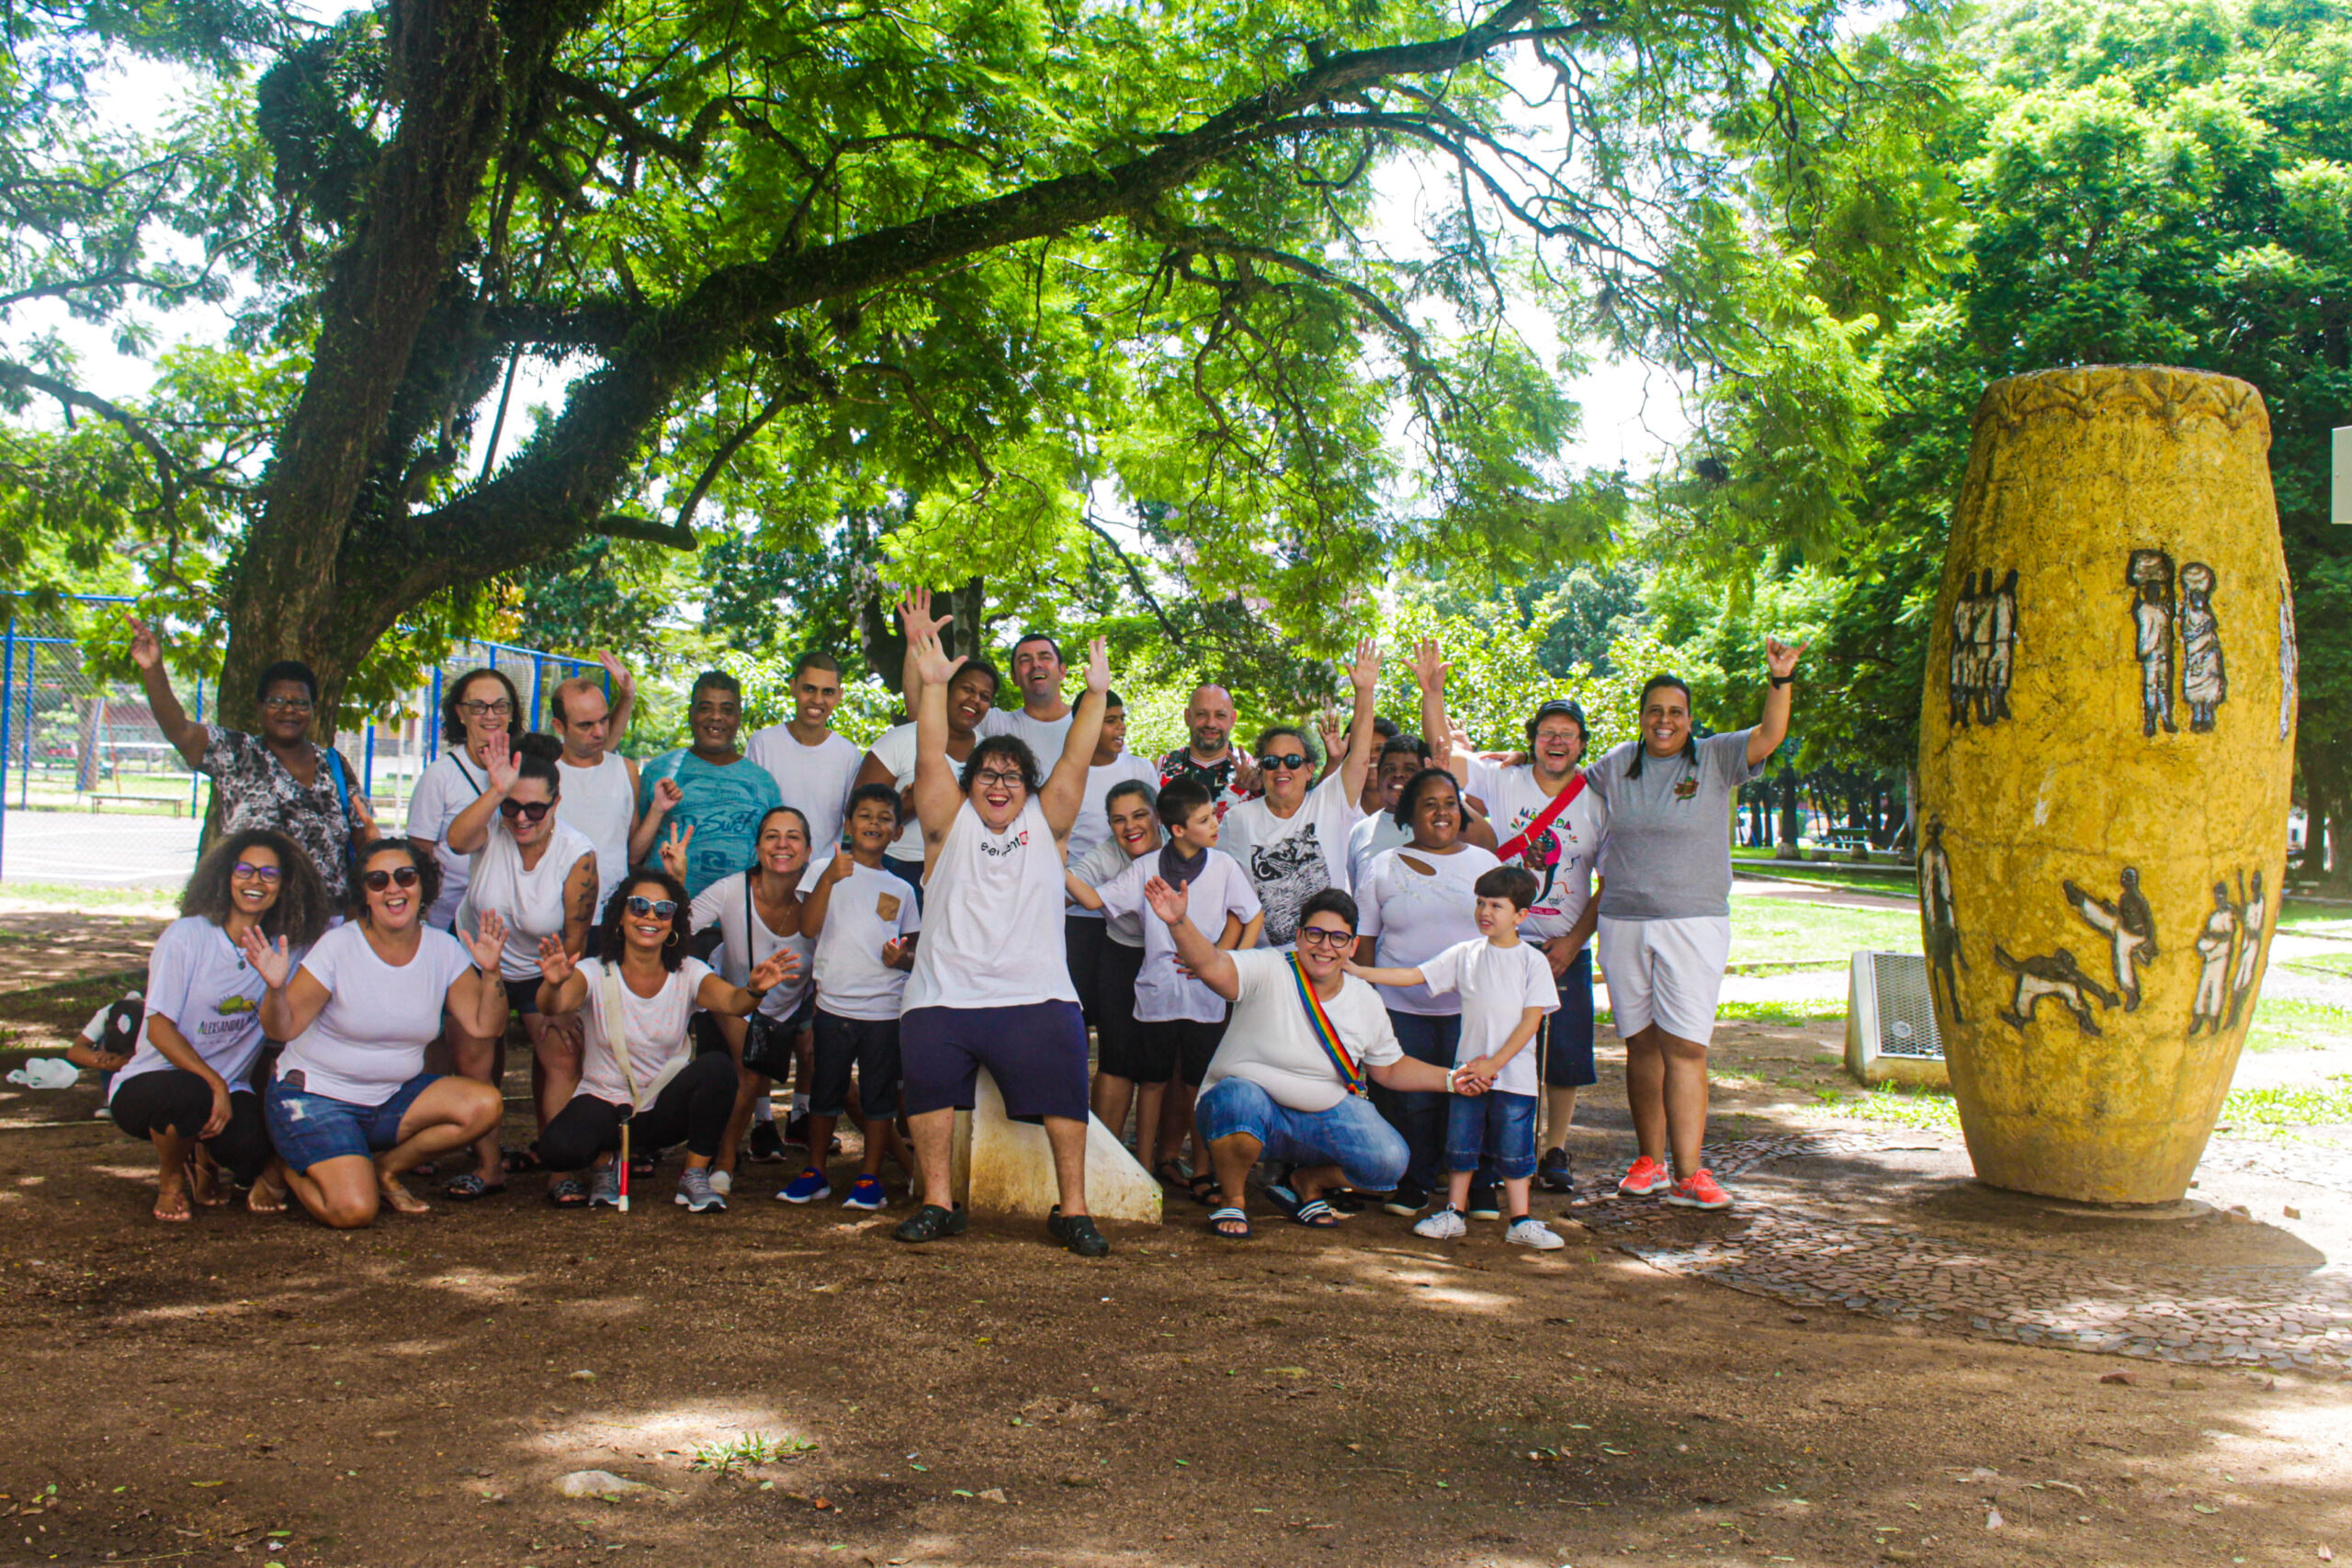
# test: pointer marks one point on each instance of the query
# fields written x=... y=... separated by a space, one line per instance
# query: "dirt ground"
x=258 y=1391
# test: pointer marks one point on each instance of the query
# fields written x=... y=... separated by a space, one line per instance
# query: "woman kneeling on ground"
x=188 y=1083
x=639 y=1065
x=351 y=1107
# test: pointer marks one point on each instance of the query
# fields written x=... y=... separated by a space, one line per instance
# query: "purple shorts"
x=1036 y=1053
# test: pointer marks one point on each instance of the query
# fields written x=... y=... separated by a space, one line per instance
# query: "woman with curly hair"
x=637 y=1000
x=188 y=1087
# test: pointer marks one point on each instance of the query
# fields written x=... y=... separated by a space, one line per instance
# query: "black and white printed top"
x=257 y=791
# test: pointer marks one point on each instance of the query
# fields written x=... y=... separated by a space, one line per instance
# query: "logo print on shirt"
x=1005 y=846
x=1686 y=789
x=1288 y=873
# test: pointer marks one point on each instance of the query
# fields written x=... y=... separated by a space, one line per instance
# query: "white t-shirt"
x=1291 y=859
x=1367 y=840
x=446 y=788
x=1162 y=994
x=1270 y=1042
x=813 y=780
x=198 y=978
x=1564 y=857
x=895 y=749
x=1496 y=985
x=600 y=805
x=655 y=1029
x=370 y=1037
x=1418 y=905
x=1045 y=737
x=1106 y=860
x=866 y=908
x=1091 y=825
x=992 y=934
x=530 y=902
x=746 y=941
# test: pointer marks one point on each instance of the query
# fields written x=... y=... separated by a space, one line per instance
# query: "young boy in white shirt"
x=864 y=919
x=1506 y=989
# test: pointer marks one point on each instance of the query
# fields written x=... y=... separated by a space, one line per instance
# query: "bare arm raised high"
x=1065 y=789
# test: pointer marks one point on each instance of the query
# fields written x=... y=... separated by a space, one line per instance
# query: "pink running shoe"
x=1646 y=1177
x=1699 y=1192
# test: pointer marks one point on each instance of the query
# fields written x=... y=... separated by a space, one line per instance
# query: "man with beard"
x=1210 y=759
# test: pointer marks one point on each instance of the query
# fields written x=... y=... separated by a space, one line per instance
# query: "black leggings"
x=692 y=1109
x=175 y=1100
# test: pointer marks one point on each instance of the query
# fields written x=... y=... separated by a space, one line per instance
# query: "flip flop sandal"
x=1312 y=1212
x=931 y=1222
x=1200 y=1188
x=1221 y=1218
x=518 y=1162
x=468 y=1187
x=568 y=1194
x=1076 y=1233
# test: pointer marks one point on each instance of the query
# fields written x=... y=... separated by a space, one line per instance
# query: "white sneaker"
x=1532 y=1232
x=1446 y=1224
x=723 y=1183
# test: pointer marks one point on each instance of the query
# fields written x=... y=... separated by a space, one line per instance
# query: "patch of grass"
x=745 y=1450
x=2308 y=918
x=1920 y=1107
x=1777 y=930
x=73 y=895
x=2323 y=963
x=2296 y=1105
x=1821 y=1010
x=1895 y=881
x=2287 y=1023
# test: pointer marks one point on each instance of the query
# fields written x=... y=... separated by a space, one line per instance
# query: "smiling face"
x=783 y=845
x=994 y=786
x=971 y=694
x=1135 y=824
x=1559 y=743
x=1395 y=769
x=1286 y=763
x=485 y=709
x=646 y=929
x=1436 y=814
x=1209 y=717
x=286 y=711
x=1324 y=943
x=717 y=718
x=1114 y=740
x=872 y=827
x=253 y=881
x=1037 y=670
x=396 y=905
x=1666 y=721
x=815 y=695
x=1495 y=915
x=529 y=795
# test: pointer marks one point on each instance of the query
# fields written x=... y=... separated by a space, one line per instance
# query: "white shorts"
x=1665 y=972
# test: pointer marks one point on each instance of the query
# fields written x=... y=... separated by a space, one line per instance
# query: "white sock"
x=763 y=1111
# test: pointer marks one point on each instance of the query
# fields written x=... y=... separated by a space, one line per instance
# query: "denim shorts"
x=1498 y=1126
x=1351 y=1134
x=307 y=1128
x=1566 y=1042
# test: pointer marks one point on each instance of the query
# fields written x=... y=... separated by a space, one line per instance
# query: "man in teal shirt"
x=708 y=789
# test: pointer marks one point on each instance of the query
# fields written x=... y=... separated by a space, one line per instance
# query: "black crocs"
x=930 y=1222
x=1076 y=1233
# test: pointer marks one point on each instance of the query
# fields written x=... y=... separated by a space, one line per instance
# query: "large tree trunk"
x=288 y=596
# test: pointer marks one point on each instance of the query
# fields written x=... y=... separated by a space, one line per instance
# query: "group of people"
x=1367 y=966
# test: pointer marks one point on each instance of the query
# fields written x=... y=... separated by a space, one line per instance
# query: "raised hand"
x=934 y=666
x=498 y=760
x=622 y=680
x=667 y=793
x=1098 y=666
x=1169 y=903
x=673 y=849
x=1334 y=732
x=838 y=868
x=1456 y=741
x=274 y=962
x=146 y=650
x=1780 y=659
x=916 y=619
x=1430 y=668
x=774 y=970
x=1365 y=673
x=1245 y=771
x=556 y=963
x=487 y=943
x=363 y=821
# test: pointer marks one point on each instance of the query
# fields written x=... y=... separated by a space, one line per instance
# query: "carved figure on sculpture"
x=2204 y=686
x=1942 y=920
x=2130 y=927
x=2057 y=976
x=2152 y=618
x=2250 y=916
x=2290 y=663
x=2213 y=944
x=1983 y=649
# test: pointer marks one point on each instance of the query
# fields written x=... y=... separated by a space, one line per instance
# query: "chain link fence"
x=78 y=752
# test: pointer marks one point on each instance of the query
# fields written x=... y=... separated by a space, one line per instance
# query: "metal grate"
x=1907 y=1011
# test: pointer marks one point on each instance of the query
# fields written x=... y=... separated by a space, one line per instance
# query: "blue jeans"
x=1566 y=1039
x=1369 y=1153
x=307 y=1128
x=1494 y=1134
x=1417 y=1113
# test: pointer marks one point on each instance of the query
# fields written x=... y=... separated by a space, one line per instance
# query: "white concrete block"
x=1003 y=1166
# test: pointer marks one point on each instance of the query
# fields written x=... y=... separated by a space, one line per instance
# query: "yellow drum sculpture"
x=2104 y=766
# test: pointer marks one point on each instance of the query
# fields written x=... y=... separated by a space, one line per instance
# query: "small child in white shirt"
x=1506 y=988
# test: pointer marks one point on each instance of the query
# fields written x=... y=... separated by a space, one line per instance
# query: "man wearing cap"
x=1547 y=821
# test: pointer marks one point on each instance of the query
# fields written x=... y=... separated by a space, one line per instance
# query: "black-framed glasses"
x=400 y=876
x=286 y=704
x=1324 y=936
x=1288 y=760
x=502 y=709
x=997 y=780
x=660 y=908
x=258 y=873
x=528 y=810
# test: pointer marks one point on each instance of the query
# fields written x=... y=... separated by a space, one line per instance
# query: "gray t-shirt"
x=1668 y=856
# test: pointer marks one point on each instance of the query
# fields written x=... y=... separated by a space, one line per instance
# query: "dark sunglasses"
x=1290 y=759
x=661 y=909
x=528 y=810
x=377 y=881
x=265 y=873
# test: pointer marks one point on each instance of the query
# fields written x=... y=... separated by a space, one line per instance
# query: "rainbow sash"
x=1327 y=1034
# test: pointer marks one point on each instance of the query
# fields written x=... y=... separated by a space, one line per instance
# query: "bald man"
x=599 y=791
x=1210 y=758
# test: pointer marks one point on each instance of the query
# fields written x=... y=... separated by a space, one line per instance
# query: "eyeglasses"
x=1324 y=936
x=260 y=873
x=286 y=704
x=498 y=709
x=997 y=780
x=660 y=908
x=528 y=810
x=1290 y=759
x=377 y=881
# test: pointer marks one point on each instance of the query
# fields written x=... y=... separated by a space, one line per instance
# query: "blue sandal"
x=1312 y=1212
x=1221 y=1218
